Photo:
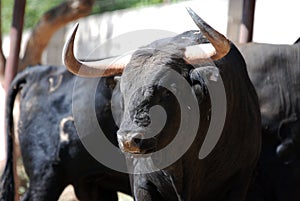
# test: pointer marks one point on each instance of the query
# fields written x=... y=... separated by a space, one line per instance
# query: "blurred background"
x=275 y=21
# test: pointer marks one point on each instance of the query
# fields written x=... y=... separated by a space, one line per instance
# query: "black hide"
x=225 y=173
x=52 y=152
x=275 y=73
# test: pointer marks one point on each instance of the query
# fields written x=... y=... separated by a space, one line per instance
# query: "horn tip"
x=70 y=40
x=198 y=20
x=189 y=10
x=75 y=27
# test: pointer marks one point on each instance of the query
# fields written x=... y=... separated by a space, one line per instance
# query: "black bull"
x=52 y=153
x=275 y=73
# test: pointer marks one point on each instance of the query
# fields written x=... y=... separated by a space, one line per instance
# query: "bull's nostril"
x=131 y=142
x=137 y=141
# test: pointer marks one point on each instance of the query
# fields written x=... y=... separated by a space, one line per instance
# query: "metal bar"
x=12 y=62
x=246 y=29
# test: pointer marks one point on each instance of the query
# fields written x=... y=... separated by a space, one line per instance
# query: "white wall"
x=277 y=21
x=132 y=28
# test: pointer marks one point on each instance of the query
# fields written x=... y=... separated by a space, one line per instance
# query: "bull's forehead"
x=150 y=67
x=142 y=78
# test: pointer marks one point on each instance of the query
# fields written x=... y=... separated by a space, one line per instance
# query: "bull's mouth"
x=128 y=147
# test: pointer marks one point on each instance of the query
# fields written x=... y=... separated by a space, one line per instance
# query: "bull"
x=53 y=155
x=147 y=82
x=275 y=73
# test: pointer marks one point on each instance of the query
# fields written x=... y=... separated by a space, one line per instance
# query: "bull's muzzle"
x=135 y=143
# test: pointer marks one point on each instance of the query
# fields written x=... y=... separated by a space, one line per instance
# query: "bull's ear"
x=200 y=78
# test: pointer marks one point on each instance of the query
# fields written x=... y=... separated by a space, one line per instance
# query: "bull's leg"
x=92 y=192
x=149 y=194
x=42 y=193
x=45 y=185
x=144 y=190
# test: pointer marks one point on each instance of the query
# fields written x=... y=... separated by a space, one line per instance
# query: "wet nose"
x=131 y=142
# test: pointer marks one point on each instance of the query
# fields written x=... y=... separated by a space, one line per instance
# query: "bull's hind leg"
x=42 y=193
x=49 y=193
x=45 y=185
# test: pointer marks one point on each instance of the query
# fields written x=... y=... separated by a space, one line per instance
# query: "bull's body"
x=52 y=152
x=275 y=73
x=226 y=172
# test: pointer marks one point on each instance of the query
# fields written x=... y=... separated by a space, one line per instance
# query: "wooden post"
x=234 y=19
x=246 y=30
x=15 y=42
x=2 y=58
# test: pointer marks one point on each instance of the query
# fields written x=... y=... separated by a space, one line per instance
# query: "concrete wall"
x=136 y=27
x=276 y=21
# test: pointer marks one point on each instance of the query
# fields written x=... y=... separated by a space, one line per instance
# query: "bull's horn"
x=220 y=43
x=106 y=67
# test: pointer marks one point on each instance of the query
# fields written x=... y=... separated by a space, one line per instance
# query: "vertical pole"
x=235 y=8
x=246 y=29
x=2 y=58
x=12 y=63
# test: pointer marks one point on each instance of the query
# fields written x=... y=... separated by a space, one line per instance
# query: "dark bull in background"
x=53 y=155
x=275 y=73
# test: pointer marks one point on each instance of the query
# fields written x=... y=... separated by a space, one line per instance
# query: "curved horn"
x=106 y=67
x=220 y=43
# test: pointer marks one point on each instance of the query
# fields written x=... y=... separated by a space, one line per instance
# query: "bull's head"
x=144 y=73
